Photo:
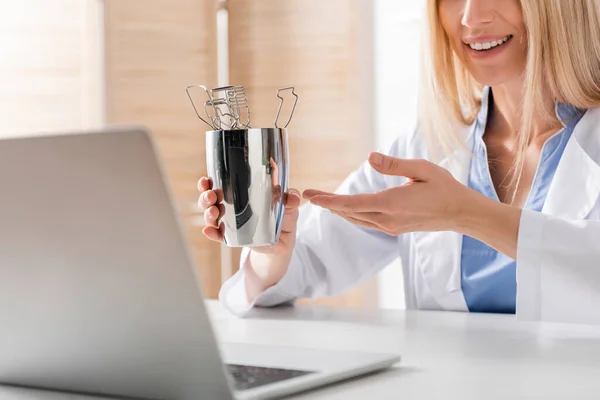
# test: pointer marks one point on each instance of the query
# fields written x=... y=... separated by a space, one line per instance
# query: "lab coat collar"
x=573 y=192
x=439 y=253
x=576 y=185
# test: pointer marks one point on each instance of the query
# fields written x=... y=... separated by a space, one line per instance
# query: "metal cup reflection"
x=251 y=167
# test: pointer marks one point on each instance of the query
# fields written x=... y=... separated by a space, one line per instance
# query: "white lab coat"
x=558 y=254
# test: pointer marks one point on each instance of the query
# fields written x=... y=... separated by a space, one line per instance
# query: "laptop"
x=98 y=291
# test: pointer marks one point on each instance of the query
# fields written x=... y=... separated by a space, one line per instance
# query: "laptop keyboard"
x=247 y=377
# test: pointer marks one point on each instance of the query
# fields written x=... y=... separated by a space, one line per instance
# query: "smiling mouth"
x=486 y=46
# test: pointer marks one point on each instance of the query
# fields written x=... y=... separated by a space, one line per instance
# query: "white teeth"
x=489 y=45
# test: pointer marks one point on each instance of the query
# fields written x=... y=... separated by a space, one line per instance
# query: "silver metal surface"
x=226 y=107
x=249 y=165
x=281 y=103
x=251 y=168
x=187 y=90
x=232 y=103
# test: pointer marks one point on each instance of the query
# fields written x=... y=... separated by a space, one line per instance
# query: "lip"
x=493 y=52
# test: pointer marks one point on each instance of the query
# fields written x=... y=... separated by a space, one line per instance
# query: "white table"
x=445 y=355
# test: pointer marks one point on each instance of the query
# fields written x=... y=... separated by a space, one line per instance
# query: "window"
x=50 y=68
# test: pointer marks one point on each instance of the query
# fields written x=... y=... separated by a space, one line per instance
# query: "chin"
x=506 y=69
x=495 y=79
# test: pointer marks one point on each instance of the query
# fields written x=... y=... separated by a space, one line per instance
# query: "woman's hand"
x=210 y=203
x=431 y=200
x=268 y=264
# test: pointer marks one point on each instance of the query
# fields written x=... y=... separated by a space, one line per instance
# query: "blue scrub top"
x=488 y=277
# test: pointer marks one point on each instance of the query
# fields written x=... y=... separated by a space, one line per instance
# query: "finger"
x=219 y=193
x=411 y=168
x=374 y=218
x=310 y=193
x=356 y=221
x=364 y=224
x=211 y=215
x=274 y=171
x=290 y=217
x=204 y=184
x=367 y=202
x=221 y=208
x=276 y=195
x=207 y=199
x=292 y=199
x=213 y=233
x=290 y=221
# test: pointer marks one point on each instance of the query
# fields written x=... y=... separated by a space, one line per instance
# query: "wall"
x=397 y=26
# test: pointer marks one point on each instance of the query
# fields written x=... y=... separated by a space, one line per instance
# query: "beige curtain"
x=153 y=50
x=323 y=49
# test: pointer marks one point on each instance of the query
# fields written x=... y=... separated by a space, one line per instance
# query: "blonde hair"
x=563 y=61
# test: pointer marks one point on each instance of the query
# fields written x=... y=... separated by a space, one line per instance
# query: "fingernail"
x=205 y=196
x=376 y=159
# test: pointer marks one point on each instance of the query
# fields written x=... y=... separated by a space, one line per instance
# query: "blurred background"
x=82 y=64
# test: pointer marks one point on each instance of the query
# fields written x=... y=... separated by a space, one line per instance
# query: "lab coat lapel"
x=576 y=185
x=439 y=253
x=573 y=193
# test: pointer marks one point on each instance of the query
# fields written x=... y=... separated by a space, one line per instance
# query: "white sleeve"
x=330 y=255
x=558 y=269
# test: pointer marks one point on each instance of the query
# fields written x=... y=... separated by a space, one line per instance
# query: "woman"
x=492 y=203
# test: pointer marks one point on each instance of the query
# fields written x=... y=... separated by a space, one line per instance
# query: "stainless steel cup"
x=251 y=168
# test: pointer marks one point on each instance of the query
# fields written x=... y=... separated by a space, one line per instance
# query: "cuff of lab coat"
x=529 y=263
x=233 y=294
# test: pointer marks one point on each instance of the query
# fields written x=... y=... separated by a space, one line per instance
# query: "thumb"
x=411 y=168
x=292 y=200
x=290 y=218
